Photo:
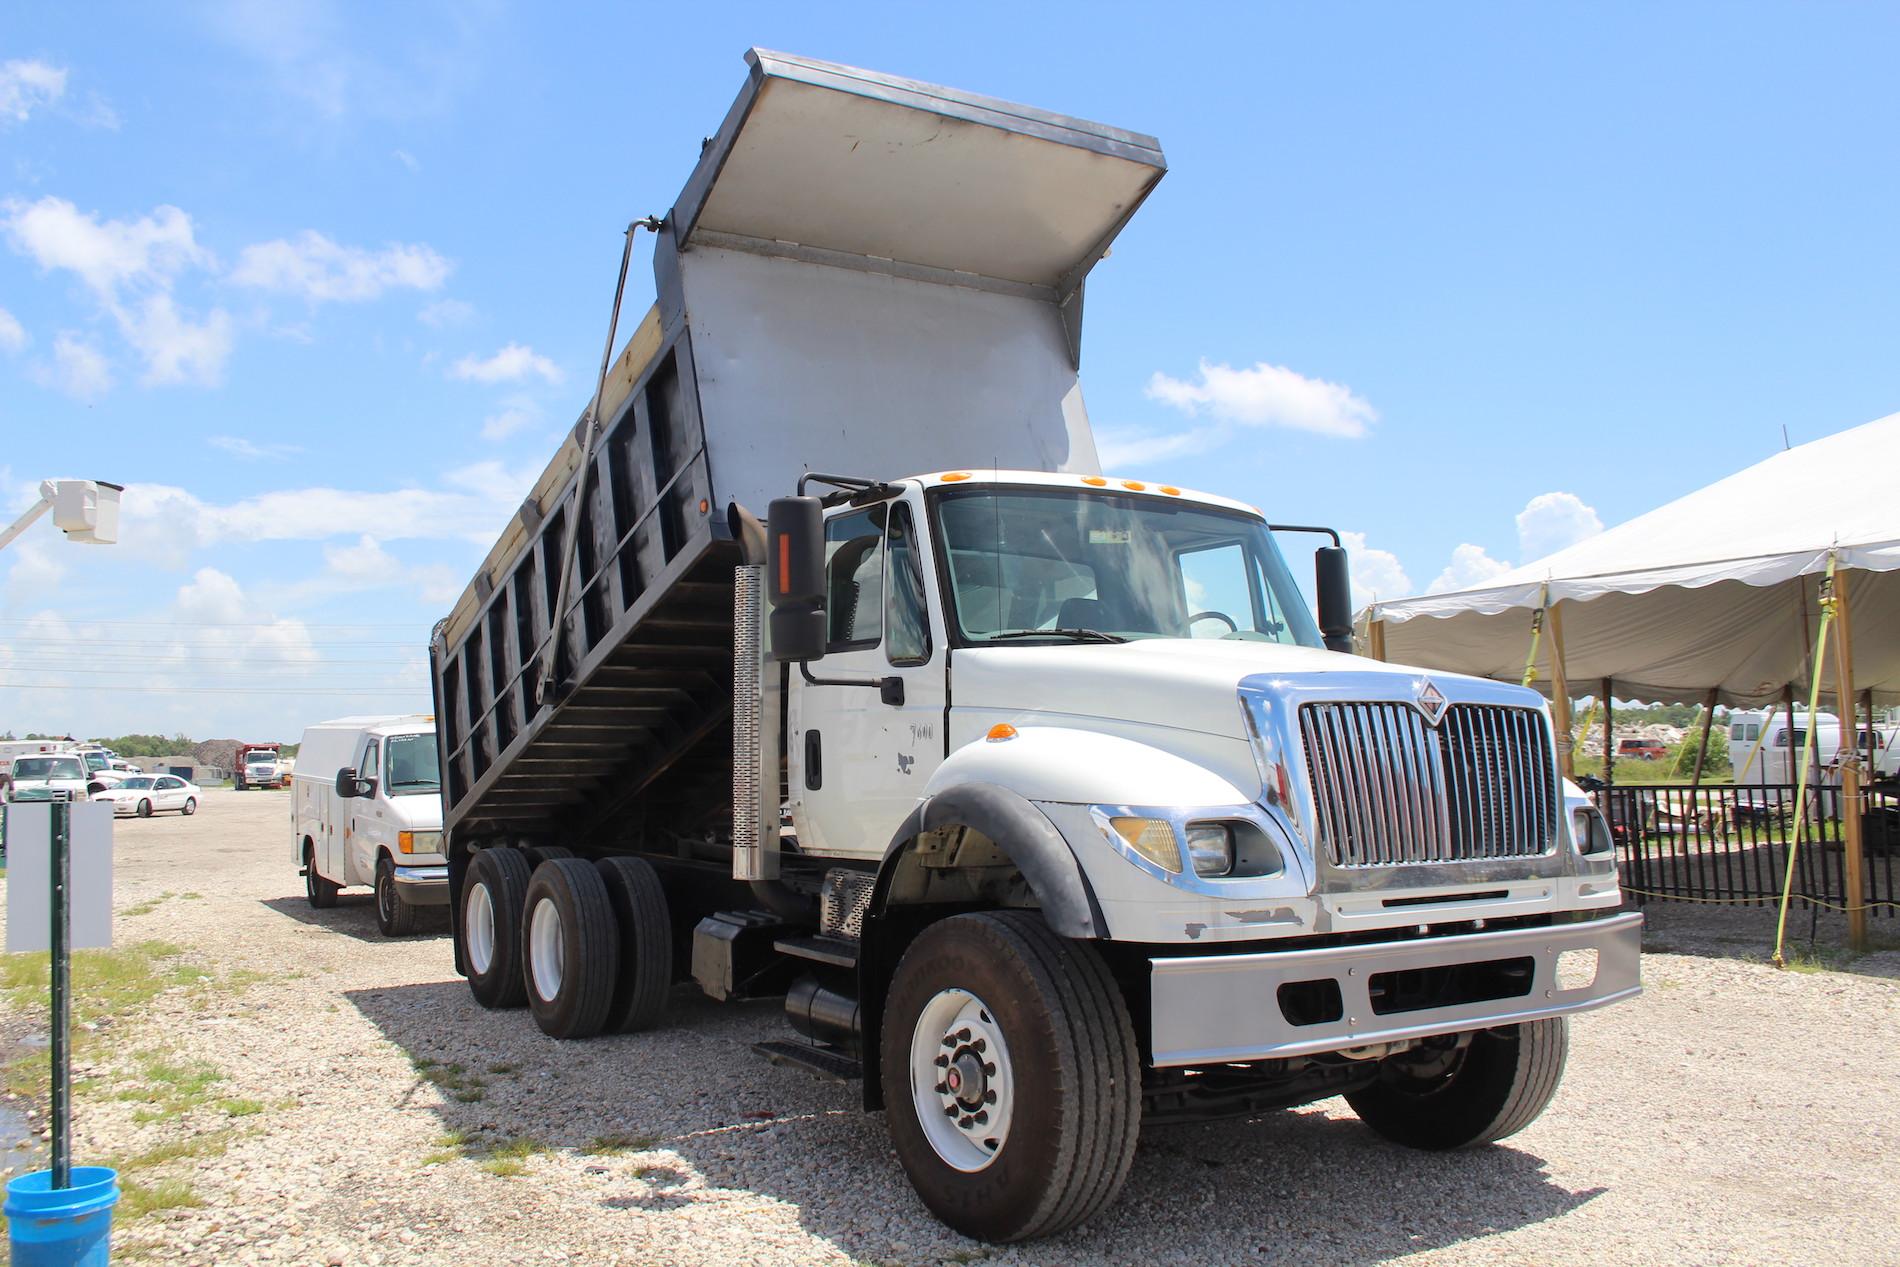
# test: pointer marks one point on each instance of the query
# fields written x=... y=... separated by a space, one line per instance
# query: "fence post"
x=1609 y=736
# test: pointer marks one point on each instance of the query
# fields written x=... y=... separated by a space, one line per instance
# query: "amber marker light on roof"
x=1095 y=481
x=1170 y=490
x=1000 y=731
x=954 y=476
x=1137 y=485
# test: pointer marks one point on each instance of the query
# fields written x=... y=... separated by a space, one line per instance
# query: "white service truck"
x=823 y=661
x=366 y=809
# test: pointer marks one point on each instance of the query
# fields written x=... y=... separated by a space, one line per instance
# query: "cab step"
x=833 y=952
x=826 y=1062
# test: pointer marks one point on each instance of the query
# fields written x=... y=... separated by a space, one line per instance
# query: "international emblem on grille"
x=1431 y=702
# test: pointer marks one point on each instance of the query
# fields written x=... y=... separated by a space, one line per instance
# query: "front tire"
x=1013 y=1074
x=490 y=927
x=1442 y=1098
x=395 y=917
x=144 y=809
x=570 y=949
x=190 y=806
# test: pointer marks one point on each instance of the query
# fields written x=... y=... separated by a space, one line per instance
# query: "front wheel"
x=190 y=806
x=395 y=917
x=1448 y=1094
x=1013 y=1075
x=145 y=809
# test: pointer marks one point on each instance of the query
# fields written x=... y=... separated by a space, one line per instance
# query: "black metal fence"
x=1730 y=844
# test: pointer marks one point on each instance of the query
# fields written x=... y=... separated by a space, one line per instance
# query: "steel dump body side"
x=863 y=275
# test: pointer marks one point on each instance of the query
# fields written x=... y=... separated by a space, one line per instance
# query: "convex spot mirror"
x=795 y=577
x=349 y=787
x=1333 y=583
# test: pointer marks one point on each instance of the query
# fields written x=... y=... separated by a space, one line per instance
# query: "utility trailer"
x=823 y=662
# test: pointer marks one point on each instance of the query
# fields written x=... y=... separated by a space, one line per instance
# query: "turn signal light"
x=406 y=841
x=1152 y=838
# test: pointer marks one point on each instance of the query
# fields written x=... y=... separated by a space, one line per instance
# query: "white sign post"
x=59 y=895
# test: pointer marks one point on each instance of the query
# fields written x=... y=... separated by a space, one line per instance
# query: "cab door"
x=858 y=764
x=363 y=815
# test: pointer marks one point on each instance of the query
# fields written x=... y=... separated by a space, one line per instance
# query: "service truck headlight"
x=1211 y=848
x=1590 y=831
x=419 y=841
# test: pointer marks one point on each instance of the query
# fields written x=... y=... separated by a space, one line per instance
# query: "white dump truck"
x=824 y=662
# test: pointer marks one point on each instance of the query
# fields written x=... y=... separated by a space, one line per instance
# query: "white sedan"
x=146 y=794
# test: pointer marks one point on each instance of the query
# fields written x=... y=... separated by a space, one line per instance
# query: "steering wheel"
x=1233 y=626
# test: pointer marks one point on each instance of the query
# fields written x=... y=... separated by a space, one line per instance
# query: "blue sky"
x=323 y=284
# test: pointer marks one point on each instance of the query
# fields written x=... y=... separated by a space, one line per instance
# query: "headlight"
x=1152 y=838
x=1590 y=831
x=419 y=841
x=1211 y=847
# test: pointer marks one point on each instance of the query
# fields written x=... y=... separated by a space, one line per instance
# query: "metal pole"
x=62 y=957
x=1702 y=750
x=1854 y=857
x=1609 y=735
x=1560 y=695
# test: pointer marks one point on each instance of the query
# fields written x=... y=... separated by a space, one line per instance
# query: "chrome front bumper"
x=1220 y=1008
x=423 y=886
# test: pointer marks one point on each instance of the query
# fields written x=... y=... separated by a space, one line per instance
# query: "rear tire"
x=320 y=892
x=570 y=949
x=490 y=927
x=1496 y=1087
x=395 y=917
x=646 y=944
x=1055 y=1049
x=538 y=854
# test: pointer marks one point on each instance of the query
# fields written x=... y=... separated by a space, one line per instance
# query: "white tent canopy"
x=1716 y=590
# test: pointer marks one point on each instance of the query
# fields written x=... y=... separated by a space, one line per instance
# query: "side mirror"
x=1334 y=585
x=348 y=786
x=795 y=578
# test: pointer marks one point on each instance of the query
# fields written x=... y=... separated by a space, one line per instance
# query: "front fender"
x=1086 y=767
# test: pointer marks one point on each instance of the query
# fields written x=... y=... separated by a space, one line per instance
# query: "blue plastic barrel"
x=62 y=1227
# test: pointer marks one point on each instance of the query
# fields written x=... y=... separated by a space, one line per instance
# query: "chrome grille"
x=1388 y=789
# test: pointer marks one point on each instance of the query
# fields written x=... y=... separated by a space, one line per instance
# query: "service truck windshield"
x=49 y=768
x=411 y=765
x=1040 y=565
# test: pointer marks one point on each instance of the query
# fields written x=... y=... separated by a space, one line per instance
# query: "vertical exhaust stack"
x=755 y=759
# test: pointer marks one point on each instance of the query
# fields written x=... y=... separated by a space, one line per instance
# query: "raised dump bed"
x=863 y=274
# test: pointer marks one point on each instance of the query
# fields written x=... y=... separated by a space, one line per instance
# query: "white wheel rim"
x=545 y=958
x=478 y=928
x=961 y=1081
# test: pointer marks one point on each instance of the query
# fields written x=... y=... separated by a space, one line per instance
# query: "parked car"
x=145 y=794
x=1642 y=749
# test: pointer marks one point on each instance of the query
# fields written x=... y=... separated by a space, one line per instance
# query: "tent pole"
x=1867 y=706
x=1854 y=859
x=1702 y=749
x=1375 y=639
x=1609 y=736
x=1560 y=695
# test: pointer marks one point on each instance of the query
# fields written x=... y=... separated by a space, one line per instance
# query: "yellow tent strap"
x=1537 y=635
x=1807 y=762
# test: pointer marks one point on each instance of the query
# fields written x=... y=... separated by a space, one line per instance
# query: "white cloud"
x=79 y=369
x=1376 y=574
x=1120 y=448
x=177 y=349
x=106 y=254
x=25 y=86
x=517 y=415
x=446 y=312
x=1470 y=568
x=406 y=159
x=1552 y=521
x=321 y=270
x=12 y=333
x=510 y=365
x=35 y=572
x=1267 y=396
x=250 y=450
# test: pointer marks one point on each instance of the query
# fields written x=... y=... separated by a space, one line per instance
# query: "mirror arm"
x=891 y=689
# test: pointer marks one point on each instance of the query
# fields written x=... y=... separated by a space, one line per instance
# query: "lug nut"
x=989 y=1097
x=966 y=1123
x=989 y=1071
x=982 y=1117
x=978 y=1046
x=963 y=1035
x=942 y=1061
x=943 y=1088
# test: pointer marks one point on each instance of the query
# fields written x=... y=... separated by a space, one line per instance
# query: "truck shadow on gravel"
x=354 y=915
x=667 y=1119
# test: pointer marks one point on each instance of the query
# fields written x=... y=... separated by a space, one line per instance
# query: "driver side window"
x=854 y=579
x=368 y=769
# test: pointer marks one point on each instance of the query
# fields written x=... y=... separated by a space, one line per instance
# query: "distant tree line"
x=159 y=745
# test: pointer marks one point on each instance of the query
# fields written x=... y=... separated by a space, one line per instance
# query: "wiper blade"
x=1073 y=635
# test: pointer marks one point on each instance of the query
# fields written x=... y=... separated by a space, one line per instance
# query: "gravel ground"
x=1733 y=1114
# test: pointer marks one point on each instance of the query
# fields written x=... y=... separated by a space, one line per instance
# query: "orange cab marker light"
x=1000 y=731
x=704 y=505
x=1095 y=481
x=1137 y=485
x=1170 y=490
x=784 y=564
x=954 y=476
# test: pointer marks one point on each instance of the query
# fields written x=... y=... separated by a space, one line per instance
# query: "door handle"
x=814 y=761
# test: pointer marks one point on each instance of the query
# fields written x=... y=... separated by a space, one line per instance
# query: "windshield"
x=49 y=768
x=95 y=760
x=142 y=781
x=1025 y=562
x=409 y=765
x=259 y=758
